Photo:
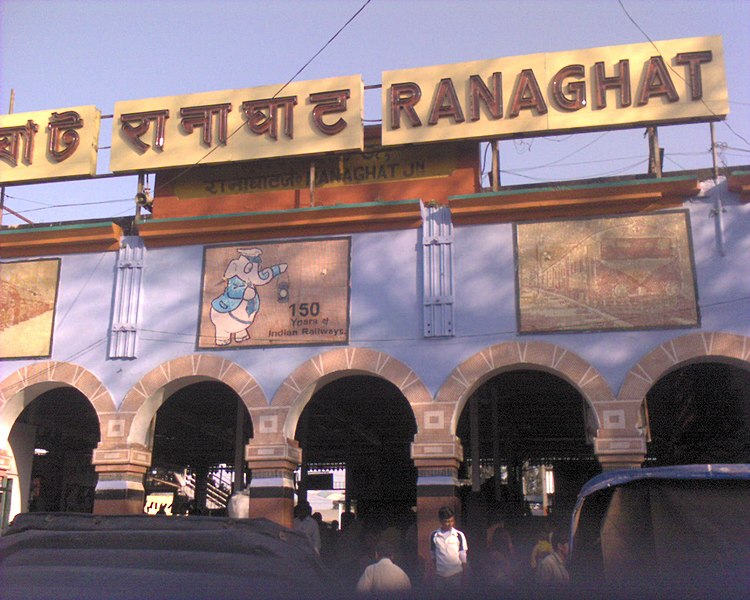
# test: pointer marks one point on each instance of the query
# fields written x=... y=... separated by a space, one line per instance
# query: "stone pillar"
x=120 y=490
x=620 y=441
x=272 y=483
x=437 y=459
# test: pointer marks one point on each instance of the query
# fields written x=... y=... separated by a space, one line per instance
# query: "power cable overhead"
x=633 y=21
x=281 y=89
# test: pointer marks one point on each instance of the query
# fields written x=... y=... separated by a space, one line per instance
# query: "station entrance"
x=200 y=434
x=699 y=414
x=53 y=440
x=361 y=427
x=526 y=436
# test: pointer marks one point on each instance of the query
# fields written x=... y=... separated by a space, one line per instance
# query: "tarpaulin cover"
x=70 y=556
x=664 y=535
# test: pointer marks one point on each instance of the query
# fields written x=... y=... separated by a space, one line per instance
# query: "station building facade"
x=382 y=311
x=430 y=281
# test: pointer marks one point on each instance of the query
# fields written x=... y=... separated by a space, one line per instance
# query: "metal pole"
x=497 y=464
x=476 y=476
x=495 y=166
x=714 y=154
x=718 y=208
x=654 y=152
x=239 y=448
x=2 y=189
x=312 y=184
x=138 y=193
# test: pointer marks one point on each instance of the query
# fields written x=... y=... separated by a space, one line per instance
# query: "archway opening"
x=198 y=451
x=53 y=441
x=527 y=452
x=355 y=435
x=699 y=414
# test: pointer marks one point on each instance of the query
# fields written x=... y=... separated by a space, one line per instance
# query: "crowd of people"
x=380 y=556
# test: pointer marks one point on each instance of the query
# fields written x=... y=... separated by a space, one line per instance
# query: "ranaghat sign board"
x=238 y=125
x=667 y=82
x=52 y=144
x=610 y=87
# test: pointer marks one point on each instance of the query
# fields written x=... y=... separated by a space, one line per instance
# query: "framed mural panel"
x=278 y=293
x=613 y=273
x=28 y=296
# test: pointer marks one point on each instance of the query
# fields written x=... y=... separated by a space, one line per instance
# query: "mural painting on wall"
x=624 y=272
x=267 y=294
x=28 y=293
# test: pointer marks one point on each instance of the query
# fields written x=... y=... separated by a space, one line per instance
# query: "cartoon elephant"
x=234 y=311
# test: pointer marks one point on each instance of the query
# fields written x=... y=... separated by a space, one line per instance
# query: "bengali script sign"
x=311 y=117
x=380 y=166
x=59 y=143
x=671 y=81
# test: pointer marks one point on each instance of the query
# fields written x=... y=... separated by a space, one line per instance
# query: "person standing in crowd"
x=542 y=547
x=553 y=573
x=304 y=523
x=449 y=551
x=384 y=575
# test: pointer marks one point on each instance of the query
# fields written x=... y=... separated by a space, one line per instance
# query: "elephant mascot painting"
x=234 y=311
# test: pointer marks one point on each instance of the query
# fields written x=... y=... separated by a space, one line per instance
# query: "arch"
x=730 y=348
x=19 y=389
x=297 y=389
x=144 y=398
x=507 y=356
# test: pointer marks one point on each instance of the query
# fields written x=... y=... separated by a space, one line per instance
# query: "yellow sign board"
x=312 y=117
x=615 y=86
x=673 y=81
x=381 y=166
x=50 y=144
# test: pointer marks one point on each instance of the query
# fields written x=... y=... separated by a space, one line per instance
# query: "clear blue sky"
x=63 y=53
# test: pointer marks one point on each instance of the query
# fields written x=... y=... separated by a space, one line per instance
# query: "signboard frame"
x=246 y=288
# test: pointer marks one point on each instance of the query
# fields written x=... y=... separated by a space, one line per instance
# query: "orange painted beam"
x=265 y=225
x=61 y=239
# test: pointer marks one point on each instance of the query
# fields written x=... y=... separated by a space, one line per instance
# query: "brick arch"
x=297 y=389
x=145 y=397
x=687 y=349
x=41 y=377
x=543 y=356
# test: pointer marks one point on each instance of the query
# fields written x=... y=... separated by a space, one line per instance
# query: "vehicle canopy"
x=46 y=556
x=676 y=531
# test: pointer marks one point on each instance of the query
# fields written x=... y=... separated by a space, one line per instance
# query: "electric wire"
x=632 y=20
x=483 y=168
x=281 y=89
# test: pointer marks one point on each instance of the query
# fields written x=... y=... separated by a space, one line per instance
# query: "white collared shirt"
x=448 y=550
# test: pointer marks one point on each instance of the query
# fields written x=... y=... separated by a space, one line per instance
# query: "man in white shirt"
x=384 y=575
x=552 y=572
x=449 y=551
x=304 y=523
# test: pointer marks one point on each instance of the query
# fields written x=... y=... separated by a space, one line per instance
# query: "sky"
x=65 y=53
